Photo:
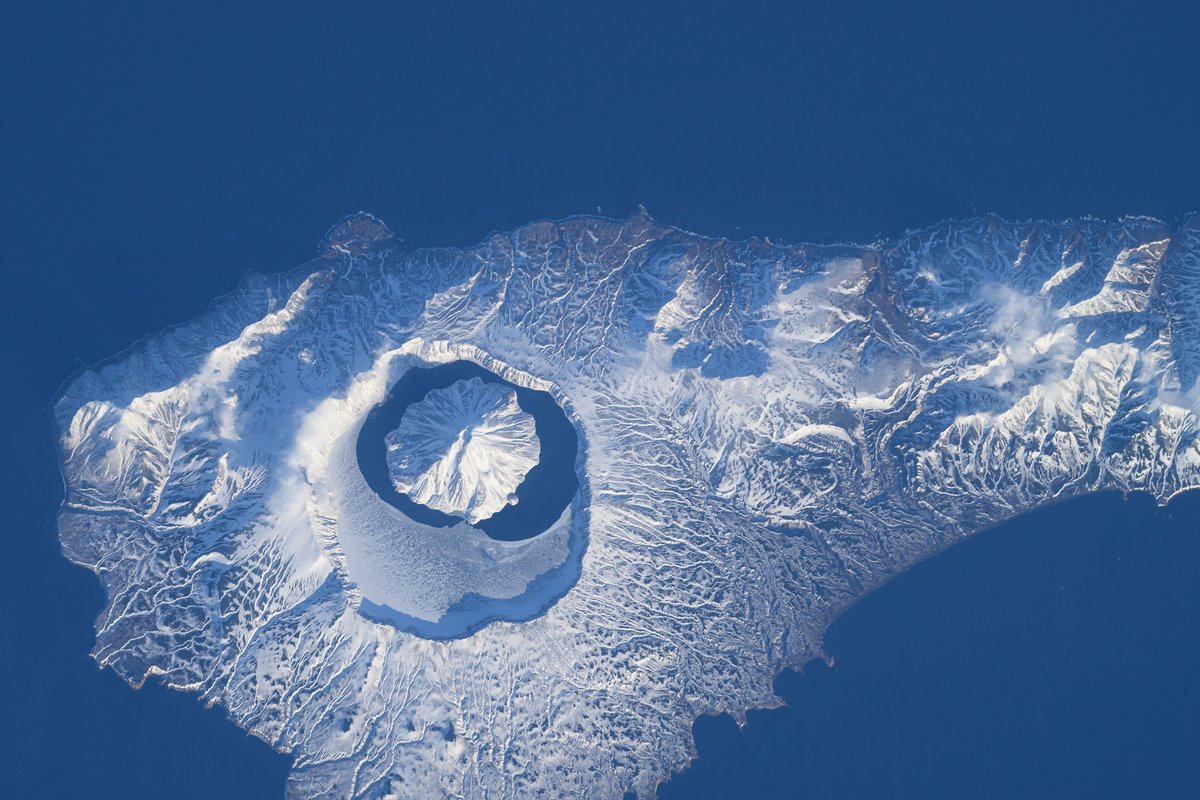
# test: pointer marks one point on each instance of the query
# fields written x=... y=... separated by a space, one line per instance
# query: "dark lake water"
x=153 y=154
x=542 y=496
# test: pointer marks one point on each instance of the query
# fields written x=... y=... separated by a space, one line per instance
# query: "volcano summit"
x=464 y=449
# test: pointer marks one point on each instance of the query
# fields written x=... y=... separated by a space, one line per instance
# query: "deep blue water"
x=542 y=496
x=151 y=153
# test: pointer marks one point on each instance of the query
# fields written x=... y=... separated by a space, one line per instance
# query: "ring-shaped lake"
x=542 y=496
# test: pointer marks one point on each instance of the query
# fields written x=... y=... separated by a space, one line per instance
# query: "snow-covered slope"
x=463 y=449
x=768 y=432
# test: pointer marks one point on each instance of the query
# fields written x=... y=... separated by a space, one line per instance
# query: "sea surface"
x=153 y=153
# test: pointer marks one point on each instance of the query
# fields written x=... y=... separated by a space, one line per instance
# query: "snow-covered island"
x=463 y=449
x=766 y=433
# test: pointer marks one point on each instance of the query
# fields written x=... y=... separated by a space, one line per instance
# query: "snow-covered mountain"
x=464 y=449
x=767 y=433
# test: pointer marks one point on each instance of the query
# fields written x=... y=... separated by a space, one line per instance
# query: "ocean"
x=152 y=154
